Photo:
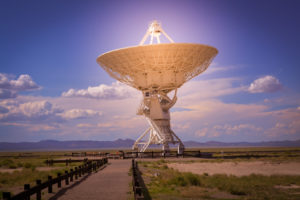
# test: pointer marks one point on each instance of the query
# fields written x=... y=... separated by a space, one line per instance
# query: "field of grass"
x=166 y=183
x=17 y=169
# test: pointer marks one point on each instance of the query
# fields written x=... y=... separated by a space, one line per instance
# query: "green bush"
x=178 y=181
x=192 y=179
x=19 y=164
x=6 y=163
x=184 y=179
x=12 y=166
x=27 y=165
x=237 y=192
x=165 y=167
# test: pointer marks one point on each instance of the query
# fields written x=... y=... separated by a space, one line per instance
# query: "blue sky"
x=50 y=47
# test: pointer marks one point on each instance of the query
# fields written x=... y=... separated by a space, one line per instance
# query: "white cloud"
x=80 y=113
x=227 y=129
x=267 y=84
x=84 y=125
x=208 y=89
x=115 y=91
x=214 y=68
x=106 y=125
x=33 y=127
x=6 y=94
x=9 y=88
x=202 y=132
x=31 y=111
x=287 y=123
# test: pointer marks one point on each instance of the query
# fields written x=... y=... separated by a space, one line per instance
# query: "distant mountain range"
x=126 y=144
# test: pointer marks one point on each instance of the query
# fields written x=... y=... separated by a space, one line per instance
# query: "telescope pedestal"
x=154 y=137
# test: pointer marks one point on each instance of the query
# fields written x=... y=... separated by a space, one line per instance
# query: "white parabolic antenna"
x=155 y=70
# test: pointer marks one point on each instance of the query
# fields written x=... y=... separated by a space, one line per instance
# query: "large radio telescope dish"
x=157 y=66
x=157 y=69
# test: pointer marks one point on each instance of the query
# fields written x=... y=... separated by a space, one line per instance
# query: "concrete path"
x=110 y=183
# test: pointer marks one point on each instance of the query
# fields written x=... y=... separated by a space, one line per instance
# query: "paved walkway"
x=110 y=183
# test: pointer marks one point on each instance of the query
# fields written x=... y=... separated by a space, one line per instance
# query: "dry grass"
x=166 y=183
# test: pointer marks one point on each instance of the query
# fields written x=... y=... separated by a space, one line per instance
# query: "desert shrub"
x=6 y=163
x=12 y=166
x=33 y=168
x=165 y=167
x=192 y=179
x=27 y=165
x=19 y=164
x=178 y=181
x=145 y=165
x=182 y=179
x=161 y=161
x=235 y=191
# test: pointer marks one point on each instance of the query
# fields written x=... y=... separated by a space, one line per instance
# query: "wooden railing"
x=67 y=177
x=137 y=186
x=50 y=162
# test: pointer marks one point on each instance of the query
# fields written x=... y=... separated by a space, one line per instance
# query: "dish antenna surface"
x=156 y=70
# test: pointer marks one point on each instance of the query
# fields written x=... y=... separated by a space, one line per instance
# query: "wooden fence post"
x=66 y=177
x=6 y=195
x=71 y=175
x=90 y=167
x=59 y=180
x=27 y=188
x=83 y=168
x=38 y=193
x=76 y=172
x=79 y=172
x=50 y=184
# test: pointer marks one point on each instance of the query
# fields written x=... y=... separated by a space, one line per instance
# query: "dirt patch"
x=47 y=168
x=10 y=170
x=239 y=168
x=287 y=186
